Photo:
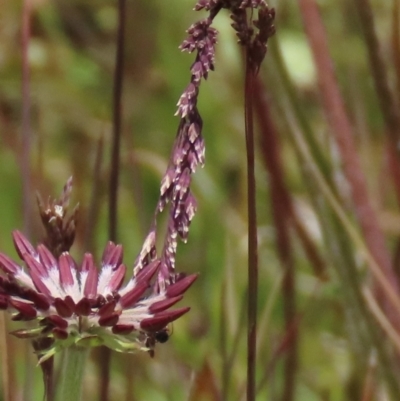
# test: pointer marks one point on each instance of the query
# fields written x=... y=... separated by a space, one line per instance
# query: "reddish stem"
x=282 y=212
x=26 y=117
x=252 y=236
x=117 y=113
x=105 y=357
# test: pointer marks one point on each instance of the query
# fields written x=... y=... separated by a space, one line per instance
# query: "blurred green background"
x=71 y=59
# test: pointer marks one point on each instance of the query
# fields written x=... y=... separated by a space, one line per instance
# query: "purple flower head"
x=74 y=303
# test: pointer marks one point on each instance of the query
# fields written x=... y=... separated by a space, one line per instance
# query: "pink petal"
x=35 y=266
x=107 y=309
x=8 y=265
x=22 y=245
x=66 y=266
x=27 y=310
x=62 y=308
x=160 y=320
x=147 y=272
x=117 y=278
x=40 y=300
x=164 y=304
x=181 y=286
x=112 y=255
x=90 y=290
x=38 y=273
x=70 y=302
x=131 y=297
x=46 y=257
x=83 y=307
x=109 y=320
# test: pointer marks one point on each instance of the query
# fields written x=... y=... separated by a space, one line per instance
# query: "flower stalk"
x=72 y=372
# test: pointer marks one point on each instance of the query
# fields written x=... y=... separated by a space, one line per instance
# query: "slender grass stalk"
x=343 y=261
x=335 y=235
x=370 y=382
x=270 y=152
x=381 y=318
x=341 y=129
x=387 y=101
x=252 y=236
x=393 y=167
x=348 y=225
x=238 y=326
x=301 y=118
x=105 y=355
x=266 y=315
x=223 y=331
x=117 y=117
x=281 y=212
x=305 y=145
x=25 y=163
x=94 y=203
x=310 y=248
x=308 y=152
x=396 y=42
x=72 y=372
x=26 y=117
x=238 y=335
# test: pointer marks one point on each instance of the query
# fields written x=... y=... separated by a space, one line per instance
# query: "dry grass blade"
x=381 y=318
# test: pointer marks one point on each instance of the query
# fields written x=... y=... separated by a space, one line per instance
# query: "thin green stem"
x=70 y=387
